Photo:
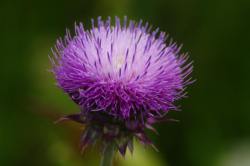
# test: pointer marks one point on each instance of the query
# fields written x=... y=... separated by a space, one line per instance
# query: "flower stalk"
x=108 y=155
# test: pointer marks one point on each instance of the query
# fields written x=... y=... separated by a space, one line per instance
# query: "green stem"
x=108 y=155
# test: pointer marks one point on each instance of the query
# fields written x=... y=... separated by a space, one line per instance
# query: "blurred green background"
x=215 y=121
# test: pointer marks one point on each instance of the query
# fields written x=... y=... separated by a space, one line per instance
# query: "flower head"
x=124 y=77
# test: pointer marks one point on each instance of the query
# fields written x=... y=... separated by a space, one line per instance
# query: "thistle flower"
x=124 y=77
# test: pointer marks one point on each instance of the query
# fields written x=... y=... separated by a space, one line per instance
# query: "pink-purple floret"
x=125 y=70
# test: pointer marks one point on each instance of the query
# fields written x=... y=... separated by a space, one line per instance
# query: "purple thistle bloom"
x=124 y=78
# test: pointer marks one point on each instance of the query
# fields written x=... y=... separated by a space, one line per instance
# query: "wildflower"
x=124 y=77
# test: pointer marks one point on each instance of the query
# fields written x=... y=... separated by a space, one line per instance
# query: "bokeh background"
x=214 y=128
